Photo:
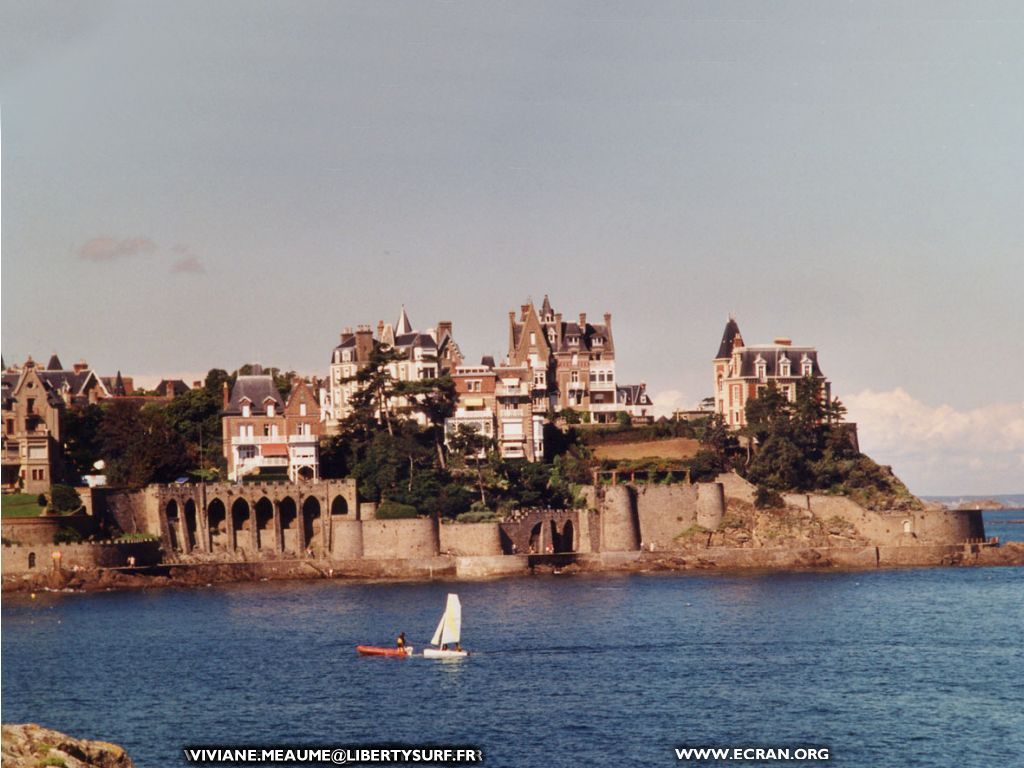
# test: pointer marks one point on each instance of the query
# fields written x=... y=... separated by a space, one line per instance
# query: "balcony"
x=274 y=439
x=513 y=391
x=602 y=386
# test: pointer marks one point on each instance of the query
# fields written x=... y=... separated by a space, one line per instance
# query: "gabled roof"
x=732 y=330
x=256 y=389
x=54 y=364
x=632 y=394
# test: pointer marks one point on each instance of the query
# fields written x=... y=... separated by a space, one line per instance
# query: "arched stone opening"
x=339 y=506
x=240 y=520
x=264 y=524
x=289 y=524
x=566 y=543
x=508 y=547
x=217 y=515
x=173 y=525
x=191 y=524
x=306 y=474
x=535 y=538
x=311 y=524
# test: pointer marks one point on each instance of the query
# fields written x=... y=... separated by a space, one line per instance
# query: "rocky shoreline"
x=30 y=746
x=725 y=559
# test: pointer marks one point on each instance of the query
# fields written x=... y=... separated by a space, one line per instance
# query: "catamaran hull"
x=435 y=653
x=373 y=650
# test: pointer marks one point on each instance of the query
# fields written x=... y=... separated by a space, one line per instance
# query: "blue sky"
x=189 y=185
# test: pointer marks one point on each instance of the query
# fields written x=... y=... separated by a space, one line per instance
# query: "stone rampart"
x=470 y=539
x=42 y=529
x=39 y=558
x=664 y=512
x=347 y=538
x=620 y=526
x=400 y=538
x=898 y=527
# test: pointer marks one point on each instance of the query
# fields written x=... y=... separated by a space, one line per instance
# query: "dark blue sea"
x=919 y=667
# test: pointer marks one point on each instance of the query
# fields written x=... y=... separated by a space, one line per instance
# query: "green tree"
x=140 y=446
x=80 y=428
x=376 y=387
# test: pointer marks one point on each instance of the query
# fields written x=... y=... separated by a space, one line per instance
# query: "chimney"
x=380 y=329
x=197 y=385
x=443 y=327
x=80 y=366
x=169 y=390
x=583 y=321
x=783 y=341
x=225 y=395
x=608 y=320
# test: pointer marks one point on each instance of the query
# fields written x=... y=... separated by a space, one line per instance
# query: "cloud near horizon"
x=188 y=265
x=939 y=450
x=105 y=248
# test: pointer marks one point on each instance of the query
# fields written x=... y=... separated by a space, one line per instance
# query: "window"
x=266 y=430
x=428 y=373
x=247 y=452
x=598 y=341
x=784 y=366
x=31 y=559
x=246 y=410
x=575 y=359
x=245 y=430
x=762 y=370
x=302 y=409
x=574 y=377
x=533 y=338
x=304 y=429
x=473 y=385
x=806 y=366
x=38 y=474
x=270 y=409
x=31 y=405
x=539 y=378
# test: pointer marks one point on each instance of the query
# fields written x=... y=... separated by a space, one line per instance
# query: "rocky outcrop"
x=30 y=746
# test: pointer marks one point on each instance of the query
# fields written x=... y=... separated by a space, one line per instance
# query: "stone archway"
x=173 y=525
x=311 y=524
x=240 y=524
x=565 y=541
x=289 y=524
x=535 y=538
x=339 y=506
x=217 y=517
x=190 y=524
x=264 y=511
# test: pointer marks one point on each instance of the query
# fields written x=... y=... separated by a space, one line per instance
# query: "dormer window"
x=784 y=366
x=270 y=409
x=598 y=341
x=551 y=336
x=806 y=366
x=246 y=410
x=762 y=368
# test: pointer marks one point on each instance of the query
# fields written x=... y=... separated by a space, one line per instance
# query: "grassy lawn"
x=20 y=505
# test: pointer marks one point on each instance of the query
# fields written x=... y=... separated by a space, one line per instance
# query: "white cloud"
x=939 y=449
x=105 y=248
x=667 y=401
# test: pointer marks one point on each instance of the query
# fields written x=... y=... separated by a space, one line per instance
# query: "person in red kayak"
x=400 y=642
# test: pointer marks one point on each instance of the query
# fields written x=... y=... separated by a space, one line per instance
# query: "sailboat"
x=447 y=633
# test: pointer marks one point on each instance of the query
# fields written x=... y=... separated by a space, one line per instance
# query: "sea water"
x=914 y=667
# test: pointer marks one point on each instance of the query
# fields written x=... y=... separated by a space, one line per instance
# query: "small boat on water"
x=376 y=650
x=448 y=633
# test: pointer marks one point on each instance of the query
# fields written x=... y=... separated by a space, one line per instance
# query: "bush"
x=393 y=510
x=67 y=535
x=623 y=418
x=64 y=498
x=478 y=516
x=41 y=500
x=767 y=498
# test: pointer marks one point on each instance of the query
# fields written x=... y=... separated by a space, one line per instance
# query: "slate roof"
x=403 y=326
x=424 y=340
x=772 y=355
x=256 y=389
x=632 y=394
x=732 y=330
x=54 y=364
x=179 y=387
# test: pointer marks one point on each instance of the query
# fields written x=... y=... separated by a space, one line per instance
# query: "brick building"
x=264 y=434
x=423 y=355
x=572 y=364
x=741 y=371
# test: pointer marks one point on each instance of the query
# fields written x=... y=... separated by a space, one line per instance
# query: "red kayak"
x=374 y=650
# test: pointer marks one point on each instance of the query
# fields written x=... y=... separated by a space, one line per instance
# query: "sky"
x=188 y=185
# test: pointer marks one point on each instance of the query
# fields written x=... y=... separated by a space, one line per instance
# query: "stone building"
x=265 y=435
x=572 y=364
x=496 y=401
x=741 y=371
x=32 y=410
x=422 y=355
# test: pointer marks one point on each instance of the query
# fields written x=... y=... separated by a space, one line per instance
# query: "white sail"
x=449 y=629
